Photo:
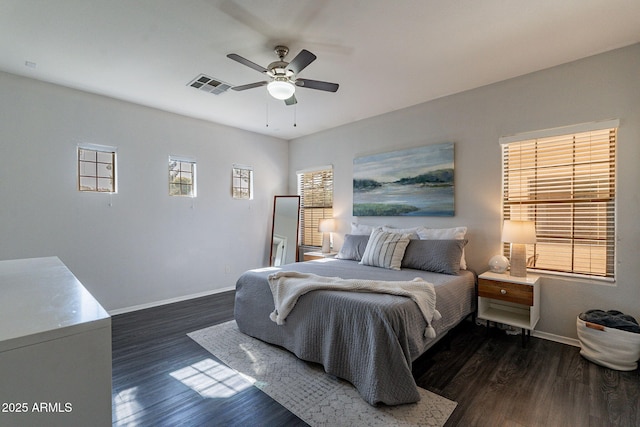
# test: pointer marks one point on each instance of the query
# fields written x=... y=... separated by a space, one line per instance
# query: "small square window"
x=97 y=169
x=182 y=177
x=242 y=182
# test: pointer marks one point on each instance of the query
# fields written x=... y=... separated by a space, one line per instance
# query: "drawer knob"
x=503 y=291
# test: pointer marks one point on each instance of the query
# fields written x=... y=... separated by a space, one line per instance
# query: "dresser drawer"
x=505 y=291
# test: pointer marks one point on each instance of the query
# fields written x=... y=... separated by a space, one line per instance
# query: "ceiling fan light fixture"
x=281 y=89
x=283 y=75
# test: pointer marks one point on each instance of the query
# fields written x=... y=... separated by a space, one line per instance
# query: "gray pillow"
x=439 y=256
x=353 y=247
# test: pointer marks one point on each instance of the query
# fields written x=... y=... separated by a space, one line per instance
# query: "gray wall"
x=147 y=246
x=597 y=88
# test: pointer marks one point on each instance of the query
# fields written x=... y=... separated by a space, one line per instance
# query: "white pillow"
x=413 y=232
x=361 y=229
x=442 y=233
x=456 y=233
x=385 y=250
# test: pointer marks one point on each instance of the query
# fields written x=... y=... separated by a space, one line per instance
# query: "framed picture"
x=411 y=182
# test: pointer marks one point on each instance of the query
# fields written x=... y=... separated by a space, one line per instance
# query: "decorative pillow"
x=456 y=233
x=413 y=232
x=385 y=249
x=361 y=229
x=442 y=233
x=353 y=247
x=439 y=256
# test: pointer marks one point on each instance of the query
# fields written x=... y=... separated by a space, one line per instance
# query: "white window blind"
x=566 y=184
x=316 y=202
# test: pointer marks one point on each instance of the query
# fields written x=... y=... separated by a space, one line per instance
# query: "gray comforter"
x=368 y=339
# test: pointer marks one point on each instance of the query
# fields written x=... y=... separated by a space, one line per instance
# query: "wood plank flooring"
x=150 y=345
x=494 y=380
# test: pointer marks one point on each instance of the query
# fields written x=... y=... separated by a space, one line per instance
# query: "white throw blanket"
x=288 y=286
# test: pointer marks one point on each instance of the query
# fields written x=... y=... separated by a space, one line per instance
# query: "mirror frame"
x=273 y=224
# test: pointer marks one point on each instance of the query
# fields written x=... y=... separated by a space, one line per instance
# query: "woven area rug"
x=306 y=390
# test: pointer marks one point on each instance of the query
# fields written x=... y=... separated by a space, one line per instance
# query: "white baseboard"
x=557 y=338
x=168 y=301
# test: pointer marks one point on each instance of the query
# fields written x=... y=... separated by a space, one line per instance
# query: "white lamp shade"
x=281 y=89
x=327 y=225
x=519 y=232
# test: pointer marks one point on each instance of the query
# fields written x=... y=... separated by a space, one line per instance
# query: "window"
x=315 y=188
x=242 y=182
x=97 y=169
x=182 y=176
x=566 y=184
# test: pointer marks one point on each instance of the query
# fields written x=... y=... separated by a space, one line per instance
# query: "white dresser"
x=55 y=348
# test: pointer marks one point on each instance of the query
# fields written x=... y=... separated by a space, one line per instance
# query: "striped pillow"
x=385 y=249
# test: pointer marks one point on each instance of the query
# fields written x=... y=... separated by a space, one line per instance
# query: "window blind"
x=566 y=184
x=316 y=202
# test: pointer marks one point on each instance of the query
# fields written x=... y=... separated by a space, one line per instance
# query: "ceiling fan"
x=284 y=75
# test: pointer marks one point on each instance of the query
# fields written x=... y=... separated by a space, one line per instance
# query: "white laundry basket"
x=609 y=347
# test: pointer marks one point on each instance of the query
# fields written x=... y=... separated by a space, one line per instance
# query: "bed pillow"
x=361 y=229
x=438 y=256
x=385 y=249
x=456 y=233
x=353 y=247
x=413 y=232
x=442 y=233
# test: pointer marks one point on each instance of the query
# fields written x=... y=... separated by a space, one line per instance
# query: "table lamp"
x=326 y=226
x=519 y=234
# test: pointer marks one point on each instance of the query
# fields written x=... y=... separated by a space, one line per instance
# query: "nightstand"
x=308 y=256
x=510 y=300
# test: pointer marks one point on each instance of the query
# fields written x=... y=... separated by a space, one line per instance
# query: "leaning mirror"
x=284 y=232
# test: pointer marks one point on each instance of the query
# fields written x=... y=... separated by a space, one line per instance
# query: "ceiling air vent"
x=209 y=84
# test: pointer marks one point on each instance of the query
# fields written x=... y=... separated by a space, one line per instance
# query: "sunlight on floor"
x=212 y=379
x=125 y=404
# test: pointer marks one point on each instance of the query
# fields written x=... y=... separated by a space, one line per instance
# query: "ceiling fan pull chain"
x=267 y=113
x=295 y=115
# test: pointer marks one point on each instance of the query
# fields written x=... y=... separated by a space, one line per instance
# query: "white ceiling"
x=385 y=54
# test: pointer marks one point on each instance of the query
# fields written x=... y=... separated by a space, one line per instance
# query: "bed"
x=368 y=339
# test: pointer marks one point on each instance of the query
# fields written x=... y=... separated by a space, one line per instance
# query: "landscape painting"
x=412 y=182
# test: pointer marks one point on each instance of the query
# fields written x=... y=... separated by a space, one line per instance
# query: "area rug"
x=306 y=390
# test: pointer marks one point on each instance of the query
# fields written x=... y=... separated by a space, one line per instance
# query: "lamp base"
x=326 y=243
x=518 y=260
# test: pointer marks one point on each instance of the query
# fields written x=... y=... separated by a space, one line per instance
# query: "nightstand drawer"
x=505 y=291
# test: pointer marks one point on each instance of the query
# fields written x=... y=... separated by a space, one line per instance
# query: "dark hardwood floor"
x=494 y=380
x=150 y=345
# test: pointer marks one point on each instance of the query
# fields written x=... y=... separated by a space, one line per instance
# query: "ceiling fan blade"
x=301 y=61
x=316 y=84
x=246 y=62
x=249 y=86
x=291 y=101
